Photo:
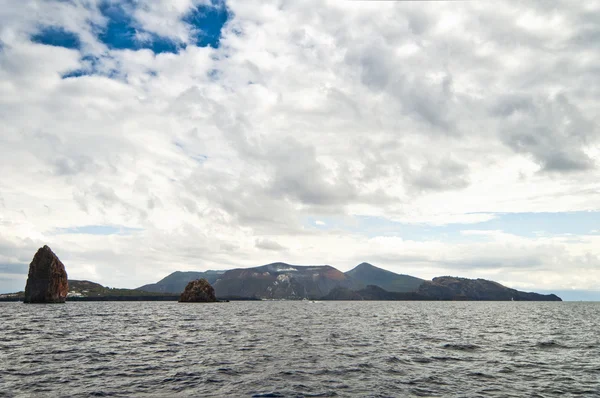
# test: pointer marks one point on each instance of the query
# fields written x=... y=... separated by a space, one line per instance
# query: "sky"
x=141 y=137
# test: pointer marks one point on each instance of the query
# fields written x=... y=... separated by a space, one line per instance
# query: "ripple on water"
x=460 y=347
x=549 y=344
x=270 y=349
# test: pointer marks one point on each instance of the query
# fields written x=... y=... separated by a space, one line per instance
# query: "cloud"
x=203 y=128
x=14 y=269
x=552 y=131
x=266 y=244
x=443 y=175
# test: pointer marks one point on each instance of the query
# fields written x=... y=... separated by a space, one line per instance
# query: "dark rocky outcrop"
x=198 y=291
x=47 y=281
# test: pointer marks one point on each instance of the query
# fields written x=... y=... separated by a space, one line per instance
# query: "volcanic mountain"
x=280 y=281
x=364 y=282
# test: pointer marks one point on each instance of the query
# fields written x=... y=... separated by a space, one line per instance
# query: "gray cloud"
x=267 y=244
x=552 y=131
x=299 y=175
x=446 y=174
x=72 y=166
x=14 y=268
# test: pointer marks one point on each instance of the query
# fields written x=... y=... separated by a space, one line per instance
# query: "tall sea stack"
x=47 y=281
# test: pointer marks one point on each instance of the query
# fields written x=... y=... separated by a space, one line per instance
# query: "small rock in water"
x=47 y=281
x=198 y=291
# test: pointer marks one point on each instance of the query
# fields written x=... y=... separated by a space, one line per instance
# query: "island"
x=48 y=282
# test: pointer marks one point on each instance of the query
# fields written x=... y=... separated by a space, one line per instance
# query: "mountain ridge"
x=365 y=274
x=175 y=282
x=280 y=280
x=457 y=288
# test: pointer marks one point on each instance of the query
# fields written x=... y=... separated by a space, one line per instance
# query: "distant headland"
x=47 y=282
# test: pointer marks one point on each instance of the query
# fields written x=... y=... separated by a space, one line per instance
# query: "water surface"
x=300 y=349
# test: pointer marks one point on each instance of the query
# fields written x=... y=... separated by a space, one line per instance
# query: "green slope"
x=93 y=289
x=176 y=282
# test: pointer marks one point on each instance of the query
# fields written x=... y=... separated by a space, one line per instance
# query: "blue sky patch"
x=98 y=230
x=120 y=32
x=75 y=73
x=529 y=225
x=573 y=295
x=208 y=22
x=542 y=224
x=90 y=67
x=56 y=36
x=123 y=32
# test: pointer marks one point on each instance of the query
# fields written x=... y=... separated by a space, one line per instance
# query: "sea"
x=300 y=349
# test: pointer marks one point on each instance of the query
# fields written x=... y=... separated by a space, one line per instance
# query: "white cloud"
x=392 y=110
x=164 y=18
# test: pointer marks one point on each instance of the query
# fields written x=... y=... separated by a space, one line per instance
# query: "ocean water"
x=300 y=349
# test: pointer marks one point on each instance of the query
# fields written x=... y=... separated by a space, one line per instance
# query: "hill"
x=78 y=288
x=366 y=274
x=364 y=282
x=454 y=288
x=176 y=282
x=280 y=281
x=370 y=292
x=444 y=288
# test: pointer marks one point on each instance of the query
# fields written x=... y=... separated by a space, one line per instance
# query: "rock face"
x=47 y=281
x=281 y=281
x=198 y=291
